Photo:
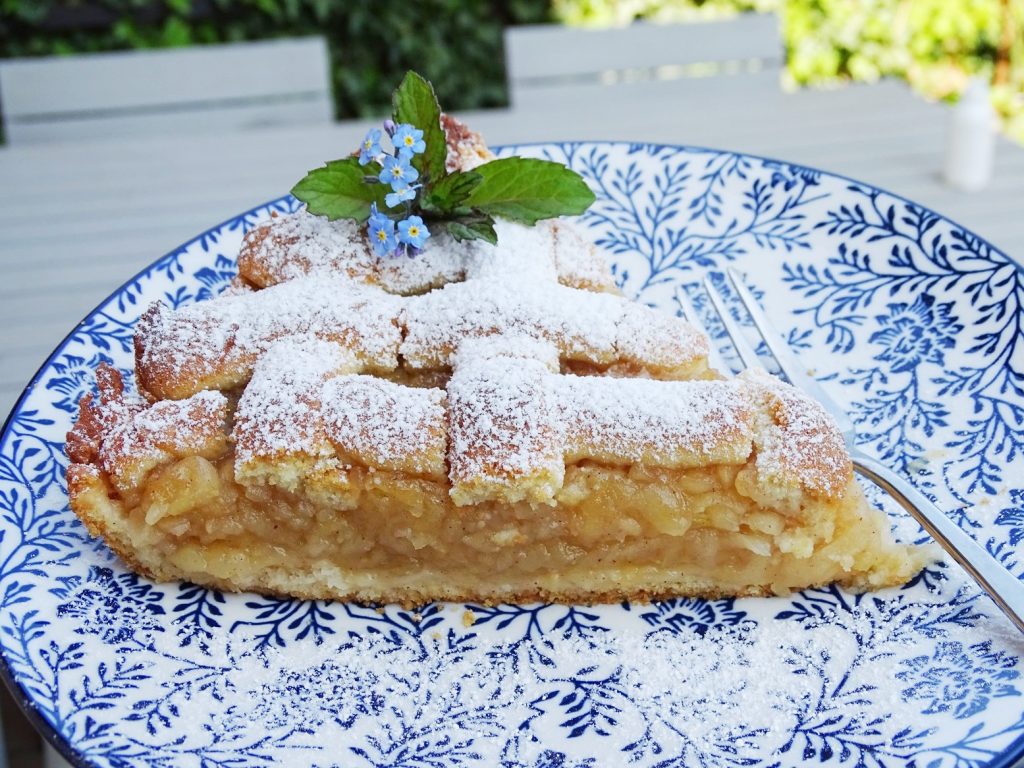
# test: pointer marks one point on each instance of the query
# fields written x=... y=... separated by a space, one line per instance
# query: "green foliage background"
x=935 y=44
x=456 y=44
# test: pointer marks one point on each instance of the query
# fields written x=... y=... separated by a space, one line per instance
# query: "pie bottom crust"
x=614 y=533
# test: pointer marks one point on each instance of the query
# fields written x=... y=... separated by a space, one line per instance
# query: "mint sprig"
x=448 y=195
x=415 y=103
x=464 y=203
x=528 y=190
x=338 y=190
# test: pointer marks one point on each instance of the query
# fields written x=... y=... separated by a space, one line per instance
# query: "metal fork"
x=1005 y=589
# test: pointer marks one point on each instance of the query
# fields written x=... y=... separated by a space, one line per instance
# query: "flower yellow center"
x=414 y=231
x=382 y=235
x=367 y=144
x=396 y=172
x=408 y=141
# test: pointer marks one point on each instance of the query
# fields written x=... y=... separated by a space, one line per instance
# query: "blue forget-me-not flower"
x=370 y=149
x=398 y=172
x=399 y=196
x=409 y=137
x=382 y=232
x=413 y=232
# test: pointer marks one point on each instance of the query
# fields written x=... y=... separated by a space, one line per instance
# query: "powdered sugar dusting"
x=386 y=425
x=509 y=347
x=513 y=419
x=506 y=436
x=657 y=339
x=512 y=422
x=717 y=683
x=163 y=421
x=279 y=412
x=217 y=342
x=581 y=324
x=578 y=261
x=522 y=253
x=444 y=261
x=301 y=244
x=304 y=400
x=798 y=439
x=663 y=423
x=289 y=247
x=140 y=437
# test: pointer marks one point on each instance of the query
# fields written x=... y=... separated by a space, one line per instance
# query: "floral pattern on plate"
x=913 y=322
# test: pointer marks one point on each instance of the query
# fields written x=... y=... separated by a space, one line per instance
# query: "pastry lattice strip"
x=509 y=424
x=216 y=343
x=289 y=247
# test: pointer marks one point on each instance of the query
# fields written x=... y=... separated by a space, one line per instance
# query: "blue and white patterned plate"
x=917 y=324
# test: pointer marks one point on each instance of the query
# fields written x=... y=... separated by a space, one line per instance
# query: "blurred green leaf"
x=176 y=33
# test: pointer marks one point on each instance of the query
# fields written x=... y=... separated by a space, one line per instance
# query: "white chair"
x=548 y=65
x=203 y=88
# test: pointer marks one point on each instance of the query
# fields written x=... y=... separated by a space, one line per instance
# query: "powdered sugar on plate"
x=683 y=682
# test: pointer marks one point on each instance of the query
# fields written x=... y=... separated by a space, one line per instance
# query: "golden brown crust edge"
x=89 y=495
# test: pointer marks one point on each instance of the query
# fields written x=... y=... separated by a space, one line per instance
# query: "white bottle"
x=970 y=147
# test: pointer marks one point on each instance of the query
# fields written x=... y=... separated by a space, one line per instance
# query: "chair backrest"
x=549 y=57
x=203 y=88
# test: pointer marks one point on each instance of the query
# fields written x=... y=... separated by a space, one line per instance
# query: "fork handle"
x=1002 y=586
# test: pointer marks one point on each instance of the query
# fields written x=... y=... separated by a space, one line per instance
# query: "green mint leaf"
x=475 y=228
x=450 y=192
x=338 y=190
x=414 y=102
x=528 y=190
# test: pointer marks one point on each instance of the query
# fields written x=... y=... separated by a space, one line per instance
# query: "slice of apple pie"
x=323 y=439
x=477 y=423
x=514 y=482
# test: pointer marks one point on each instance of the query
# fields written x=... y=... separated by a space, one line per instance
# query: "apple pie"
x=475 y=424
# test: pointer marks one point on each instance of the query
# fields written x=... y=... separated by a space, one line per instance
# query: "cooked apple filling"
x=329 y=492
x=613 y=531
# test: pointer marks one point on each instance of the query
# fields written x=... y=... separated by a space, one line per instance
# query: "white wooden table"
x=77 y=219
